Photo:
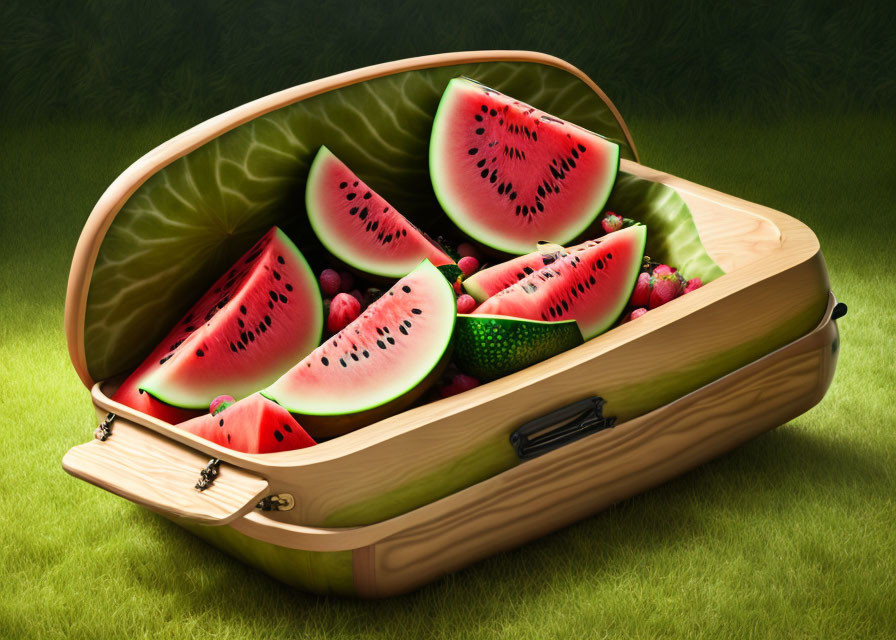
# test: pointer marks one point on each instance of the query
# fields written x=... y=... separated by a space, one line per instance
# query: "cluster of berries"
x=468 y=265
x=342 y=301
x=656 y=287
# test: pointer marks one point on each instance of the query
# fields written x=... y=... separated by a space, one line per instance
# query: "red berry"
x=637 y=313
x=346 y=280
x=330 y=282
x=219 y=404
x=663 y=270
x=343 y=310
x=693 y=283
x=611 y=222
x=468 y=265
x=467 y=250
x=456 y=287
x=641 y=294
x=460 y=383
x=665 y=288
x=357 y=295
x=465 y=303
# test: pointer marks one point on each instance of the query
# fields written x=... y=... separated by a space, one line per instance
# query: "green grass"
x=791 y=535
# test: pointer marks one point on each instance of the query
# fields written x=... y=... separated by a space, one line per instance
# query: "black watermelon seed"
x=406 y=289
x=592 y=280
x=390 y=340
x=283 y=298
x=262 y=328
x=480 y=131
x=375 y=224
x=600 y=263
x=559 y=310
x=581 y=288
x=241 y=346
x=513 y=196
x=287 y=428
x=484 y=109
x=164 y=360
x=221 y=422
x=233 y=347
x=386 y=329
x=481 y=163
x=244 y=337
x=403 y=330
x=416 y=311
x=492 y=178
x=354 y=356
x=478 y=118
x=240 y=322
x=553 y=313
x=473 y=151
x=276 y=275
x=582 y=148
x=541 y=191
x=273 y=295
x=335 y=343
x=572 y=163
x=518 y=209
x=267 y=320
x=251 y=337
x=492 y=113
x=270 y=304
x=407 y=323
x=353 y=211
x=325 y=362
x=200 y=352
x=525 y=209
x=278 y=435
x=381 y=344
x=350 y=196
x=534 y=136
x=281 y=260
x=365 y=353
x=540 y=206
x=342 y=362
x=288 y=287
x=575 y=153
x=528 y=270
x=228 y=437
x=379 y=331
x=363 y=213
x=404 y=232
x=484 y=173
x=343 y=185
x=388 y=238
x=190 y=328
x=565 y=306
x=367 y=196
x=355 y=183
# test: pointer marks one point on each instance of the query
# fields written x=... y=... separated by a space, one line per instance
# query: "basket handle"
x=165 y=476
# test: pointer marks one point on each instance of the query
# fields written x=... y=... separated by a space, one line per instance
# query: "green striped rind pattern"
x=187 y=223
x=672 y=236
x=321 y=572
x=489 y=347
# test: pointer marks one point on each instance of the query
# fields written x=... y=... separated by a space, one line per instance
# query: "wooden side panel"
x=155 y=472
x=576 y=481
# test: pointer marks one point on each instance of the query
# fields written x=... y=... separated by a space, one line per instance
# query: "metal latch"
x=208 y=475
x=103 y=431
x=278 y=502
x=560 y=427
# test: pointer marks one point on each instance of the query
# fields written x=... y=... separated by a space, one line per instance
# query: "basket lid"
x=179 y=216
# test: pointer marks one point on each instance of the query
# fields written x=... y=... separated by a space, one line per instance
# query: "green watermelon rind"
x=314 y=298
x=472 y=351
x=439 y=283
x=437 y=161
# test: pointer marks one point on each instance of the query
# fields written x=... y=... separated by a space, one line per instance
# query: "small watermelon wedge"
x=359 y=227
x=487 y=282
x=255 y=322
x=591 y=286
x=252 y=425
x=378 y=364
x=509 y=175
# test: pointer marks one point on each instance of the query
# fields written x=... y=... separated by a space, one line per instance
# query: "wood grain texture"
x=620 y=462
x=776 y=292
x=112 y=200
x=151 y=470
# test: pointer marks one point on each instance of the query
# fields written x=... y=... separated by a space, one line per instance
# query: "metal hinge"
x=208 y=475
x=278 y=502
x=103 y=431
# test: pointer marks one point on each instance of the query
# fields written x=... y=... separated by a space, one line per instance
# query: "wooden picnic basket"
x=398 y=503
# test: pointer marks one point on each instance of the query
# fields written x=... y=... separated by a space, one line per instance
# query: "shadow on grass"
x=788 y=469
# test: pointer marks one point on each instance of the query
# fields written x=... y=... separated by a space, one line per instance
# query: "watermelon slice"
x=486 y=283
x=489 y=347
x=591 y=286
x=510 y=175
x=252 y=425
x=379 y=363
x=359 y=227
x=255 y=322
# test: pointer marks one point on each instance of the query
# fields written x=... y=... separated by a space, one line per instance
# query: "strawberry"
x=611 y=222
x=468 y=265
x=693 y=284
x=663 y=270
x=664 y=289
x=642 y=291
x=343 y=309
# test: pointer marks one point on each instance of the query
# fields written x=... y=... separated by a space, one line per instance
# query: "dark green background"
x=788 y=104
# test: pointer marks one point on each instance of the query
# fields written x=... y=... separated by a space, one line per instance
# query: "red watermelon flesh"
x=131 y=396
x=252 y=425
x=359 y=227
x=261 y=317
x=591 y=286
x=510 y=175
x=488 y=282
x=379 y=363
